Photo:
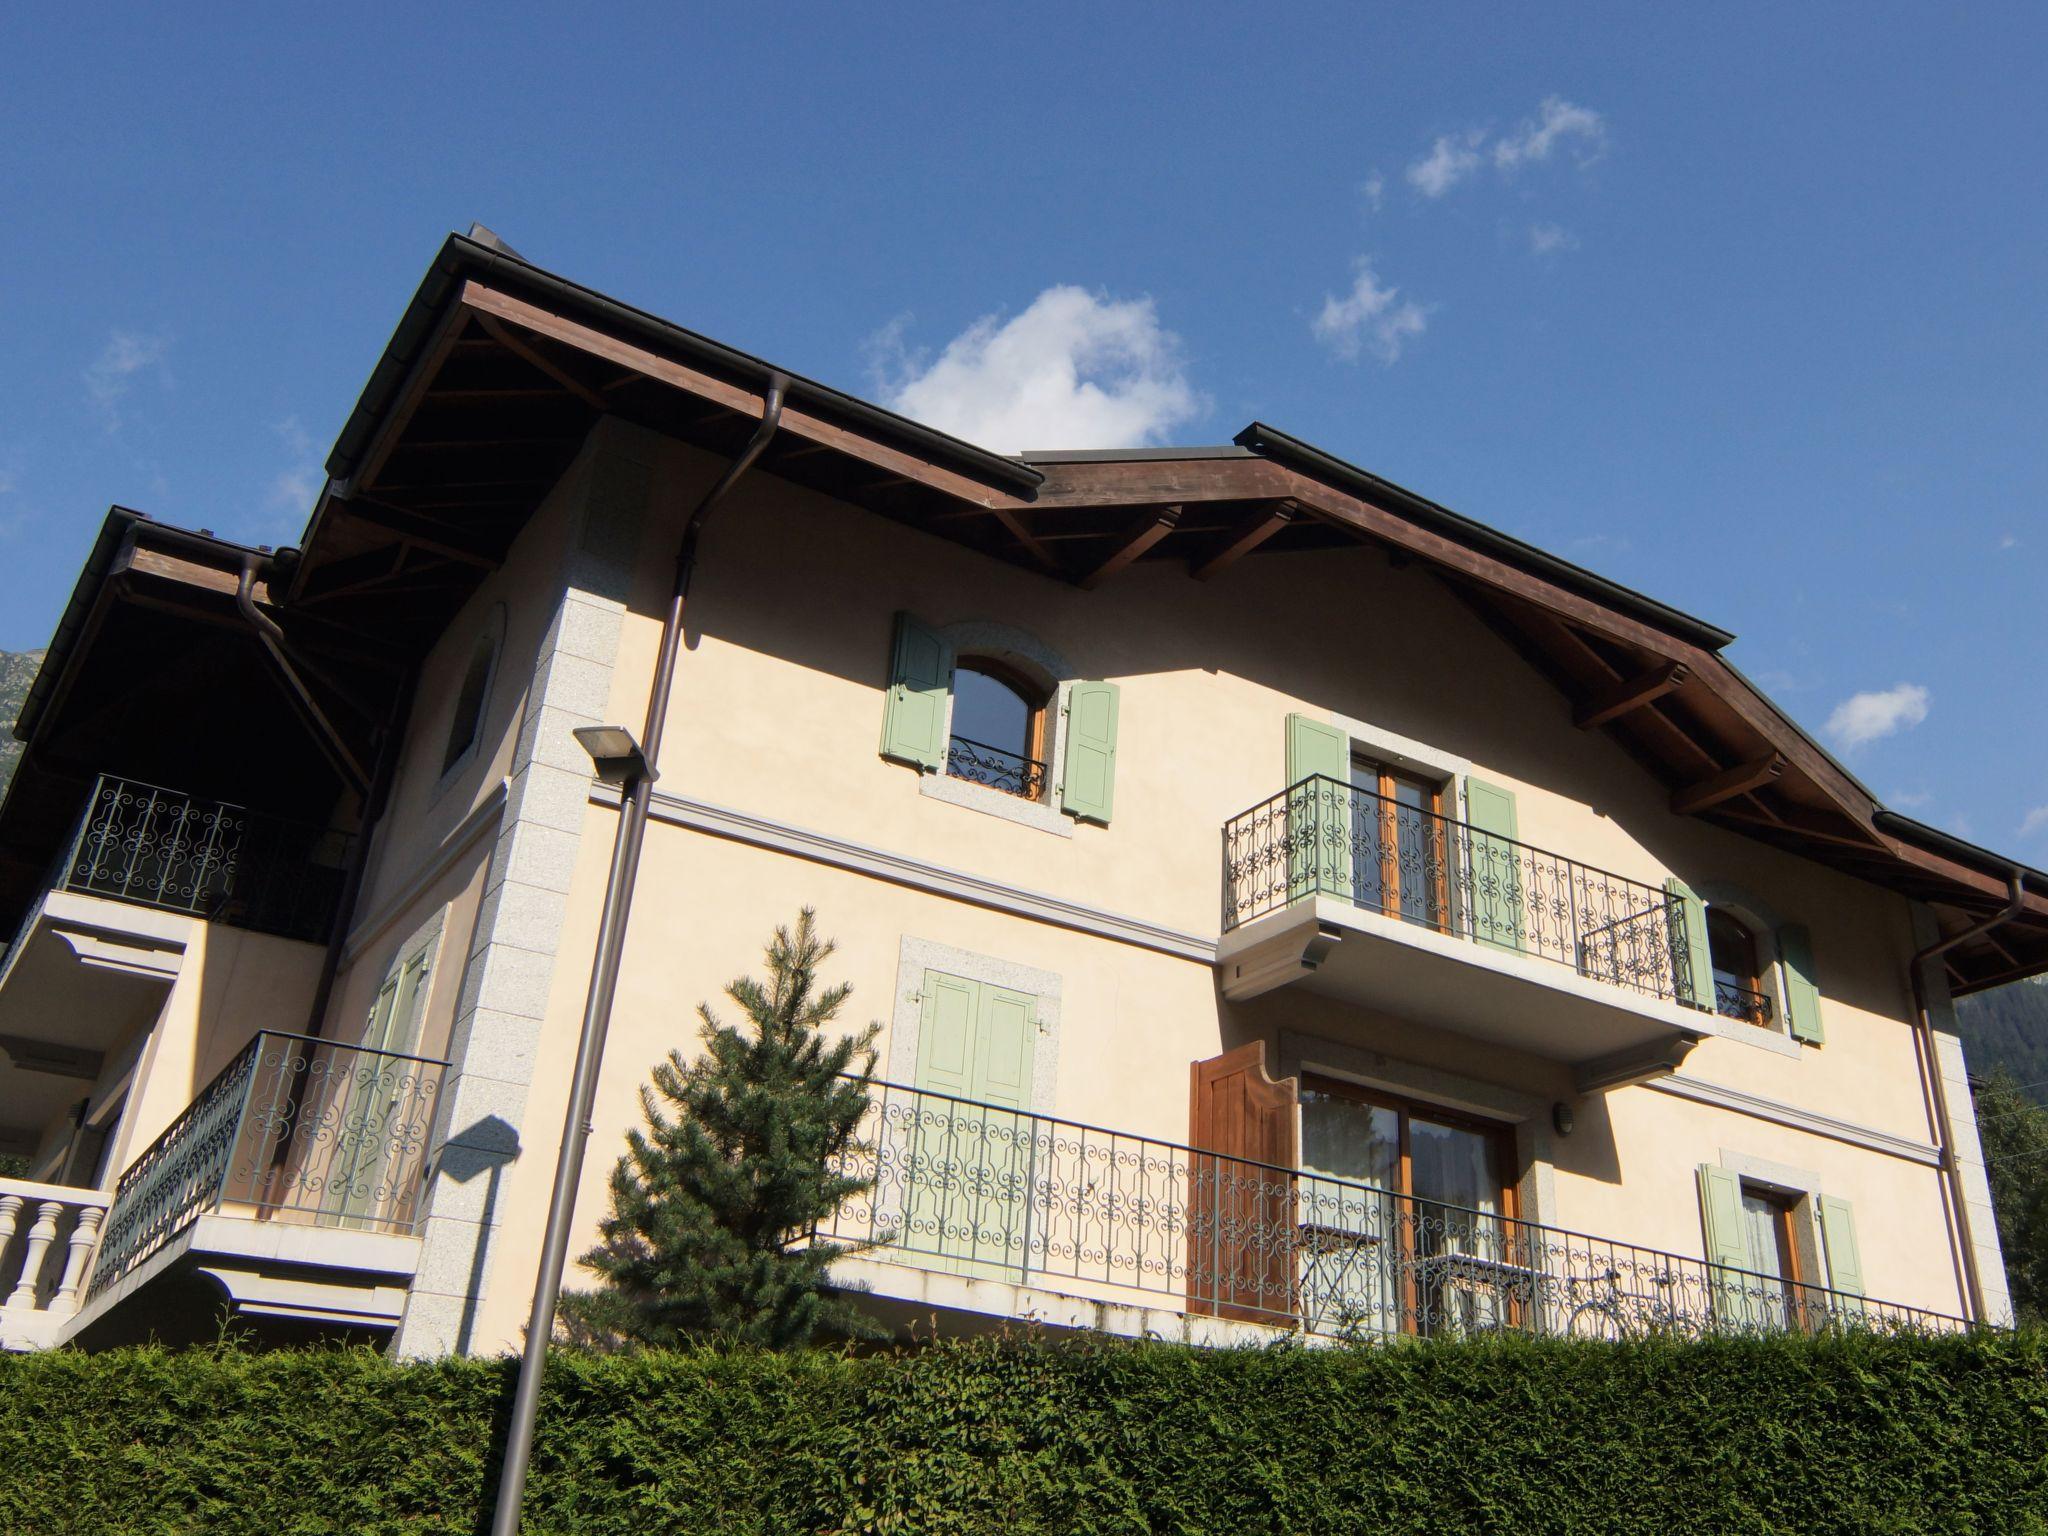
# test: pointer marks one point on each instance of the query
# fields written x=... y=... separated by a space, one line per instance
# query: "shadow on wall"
x=481 y=1150
x=1590 y=1151
x=1296 y=623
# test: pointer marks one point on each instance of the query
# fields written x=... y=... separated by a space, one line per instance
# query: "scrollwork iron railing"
x=293 y=1128
x=990 y=1192
x=1322 y=837
x=997 y=767
x=181 y=853
x=1744 y=1003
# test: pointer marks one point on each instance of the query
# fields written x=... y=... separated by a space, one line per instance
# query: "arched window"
x=1738 y=977
x=998 y=728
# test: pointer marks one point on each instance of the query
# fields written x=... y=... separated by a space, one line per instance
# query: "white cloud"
x=1557 y=120
x=1455 y=156
x=1865 y=717
x=2034 y=821
x=1367 y=319
x=1375 y=191
x=2008 y=541
x=293 y=488
x=112 y=374
x=1074 y=370
x=1546 y=239
x=1450 y=160
x=1909 y=800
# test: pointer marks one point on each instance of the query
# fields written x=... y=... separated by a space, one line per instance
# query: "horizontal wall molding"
x=1798 y=1119
x=438 y=863
x=899 y=869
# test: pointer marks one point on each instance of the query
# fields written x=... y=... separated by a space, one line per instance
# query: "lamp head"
x=615 y=754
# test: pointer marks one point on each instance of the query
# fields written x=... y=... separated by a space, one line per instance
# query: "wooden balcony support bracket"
x=1143 y=534
x=1739 y=780
x=1261 y=526
x=1631 y=694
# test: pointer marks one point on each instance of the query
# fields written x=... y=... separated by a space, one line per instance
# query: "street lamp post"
x=618 y=760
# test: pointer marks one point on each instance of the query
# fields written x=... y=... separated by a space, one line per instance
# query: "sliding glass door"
x=1402 y=1207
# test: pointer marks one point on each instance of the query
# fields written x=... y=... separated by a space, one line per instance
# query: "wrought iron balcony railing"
x=1744 y=1003
x=994 y=1193
x=180 y=853
x=997 y=767
x=294 y=1128
x=1322 y=837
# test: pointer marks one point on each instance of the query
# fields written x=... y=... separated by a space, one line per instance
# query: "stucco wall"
x=777 y=713
x=230 y=984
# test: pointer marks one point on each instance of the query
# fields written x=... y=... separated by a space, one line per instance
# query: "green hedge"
x=1836 y=1434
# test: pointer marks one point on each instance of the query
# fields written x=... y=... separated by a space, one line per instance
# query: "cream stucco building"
x=1288 y=905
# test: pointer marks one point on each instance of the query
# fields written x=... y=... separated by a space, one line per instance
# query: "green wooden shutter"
x=1500 y=885
x=967 y=1201
x=1088 y=781
x=920 y=678
x=1318 y=809
x=1802 y=990
x=945 y=1039
x=1692 y=960
x=1005 y=1034
x=1727 y=1246
x=1845 y=1261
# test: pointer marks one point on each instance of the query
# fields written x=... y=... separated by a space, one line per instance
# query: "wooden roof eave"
x=1671 y=728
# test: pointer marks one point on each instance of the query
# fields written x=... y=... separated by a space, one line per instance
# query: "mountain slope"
x=17 y=671
x=2008 y=1027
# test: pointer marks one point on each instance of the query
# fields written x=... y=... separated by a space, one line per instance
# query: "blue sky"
x=1740 y=305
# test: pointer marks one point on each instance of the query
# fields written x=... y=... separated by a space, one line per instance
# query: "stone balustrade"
x=47 y=1236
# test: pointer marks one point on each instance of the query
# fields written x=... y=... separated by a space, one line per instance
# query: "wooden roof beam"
x=428 y=534
x=1631 y=694
x=533 y=357
x=1253 y=532
x=1739 y=780
x=1015 y=526
x=798 y=424
x=1143 y=534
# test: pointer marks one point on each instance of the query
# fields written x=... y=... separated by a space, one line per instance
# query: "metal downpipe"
x=1973 y=1278
x=634 y=798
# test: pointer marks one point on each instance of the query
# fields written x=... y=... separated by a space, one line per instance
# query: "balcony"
x=974 y=1207
x=291 y=1182
x=47 y=1232
x=1348 y=893
x=177 y=852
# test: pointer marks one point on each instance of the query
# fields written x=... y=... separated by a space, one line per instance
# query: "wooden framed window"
x=1407 y=1215
x=1401 y=854
x=1770 y=1223
x=1739 y=991
x=999 y=728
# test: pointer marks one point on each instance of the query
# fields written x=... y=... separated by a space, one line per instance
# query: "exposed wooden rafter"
x=1143 y=534
x=1631 y=694
x=1251 y=533
x=1014 y=524
x=425 y=533
x=547 y=365
x=1726 y=785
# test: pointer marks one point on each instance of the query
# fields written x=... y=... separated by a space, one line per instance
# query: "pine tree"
x=712 y=1203
x=2015 y=1136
